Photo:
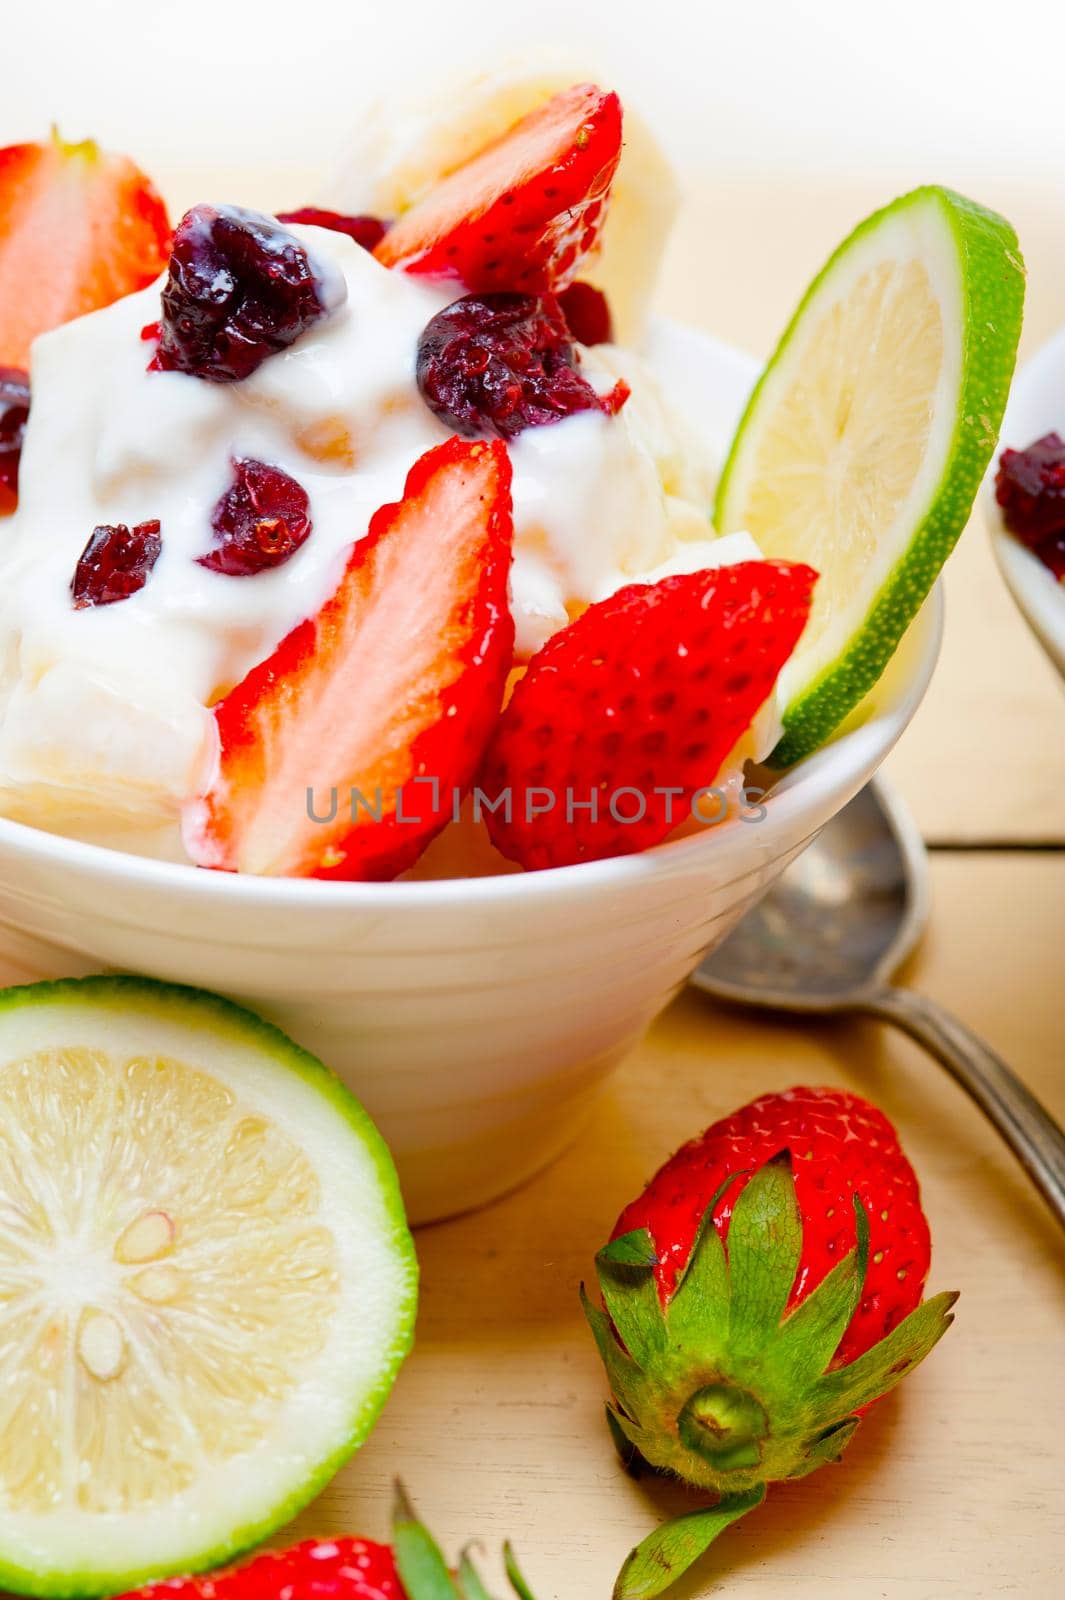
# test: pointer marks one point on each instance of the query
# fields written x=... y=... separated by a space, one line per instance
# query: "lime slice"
x=206 y=1282
x=863 y=445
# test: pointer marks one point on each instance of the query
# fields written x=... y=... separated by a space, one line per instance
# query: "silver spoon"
x=828 y=937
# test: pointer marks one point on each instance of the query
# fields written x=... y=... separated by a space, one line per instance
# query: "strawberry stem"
x=470 y=1584
x=725 y=1425
x=514 y=1575
x=424 y=1572
x=72 y=150
x=422 y=1567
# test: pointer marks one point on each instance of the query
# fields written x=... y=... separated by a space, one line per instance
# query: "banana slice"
x=403 y=146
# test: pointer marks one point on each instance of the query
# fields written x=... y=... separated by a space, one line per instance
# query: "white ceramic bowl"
x=1036 y=406
x=476 y=1018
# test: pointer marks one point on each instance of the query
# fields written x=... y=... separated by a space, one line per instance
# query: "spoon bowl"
x=838 y=923
x=829 y=935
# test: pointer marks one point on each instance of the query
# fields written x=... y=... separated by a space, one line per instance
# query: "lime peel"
x=864 y=443
x=215 y=1253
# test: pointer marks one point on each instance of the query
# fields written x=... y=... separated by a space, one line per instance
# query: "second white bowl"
x=1036 y=407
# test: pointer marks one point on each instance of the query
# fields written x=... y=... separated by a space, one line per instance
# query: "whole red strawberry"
x=840 y=1146
x=411 y=1568
x=762 y=1292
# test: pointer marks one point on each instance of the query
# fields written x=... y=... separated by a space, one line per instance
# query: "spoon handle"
x=1027 y=1127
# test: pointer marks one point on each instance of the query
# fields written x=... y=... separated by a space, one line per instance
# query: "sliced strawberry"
x=647 y=691
x=399 y=678
x=79 y=228
x=526 y=211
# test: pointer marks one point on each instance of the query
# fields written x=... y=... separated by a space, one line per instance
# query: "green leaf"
x=631 y=1459
x=421 y=1566
x=631 y=1296
x=828 y=1448
x=697 y=1315
x=470 y=1585
x=513 y=1571
x=635 y=1249
x=707 y=1219
x=624 y=1375
x=666 y=1554
x=809 y=1336
x=764 y=1245
x=861 y=1234
x=642 y=1439
x=887 y=1363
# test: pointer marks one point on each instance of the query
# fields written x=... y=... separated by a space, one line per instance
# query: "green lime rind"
x=202 y=1008
x=992 y=278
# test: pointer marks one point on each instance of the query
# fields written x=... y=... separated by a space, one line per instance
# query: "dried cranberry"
x=587 y=312
x=1030 y=488
x=14 y=410
x=260 y=521
x=499 y=363
x=367 y=231
x=240 y=288
x=115 y=563
x=1052 y=554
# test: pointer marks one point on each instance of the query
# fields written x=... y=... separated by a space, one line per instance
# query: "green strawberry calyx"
x=423 y=1570
x=723 y=1386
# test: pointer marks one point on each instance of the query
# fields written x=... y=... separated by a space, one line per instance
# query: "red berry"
x=499 y=363
x=240 y=288
x=1052 y=554
x=840 y=1145
x=1030 y=488
x=366 y=231
x=260 y=521
x=14 y=412
x=116 y=562
x=587 y=313
x=626 y=713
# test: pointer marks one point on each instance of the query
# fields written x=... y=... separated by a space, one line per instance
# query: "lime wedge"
x=206 y=1282
x=865 y=441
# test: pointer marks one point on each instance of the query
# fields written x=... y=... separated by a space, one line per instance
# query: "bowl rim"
x=797 y=801
x=1039 y=595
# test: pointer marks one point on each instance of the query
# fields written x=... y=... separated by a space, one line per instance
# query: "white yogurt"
x=104 y=720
